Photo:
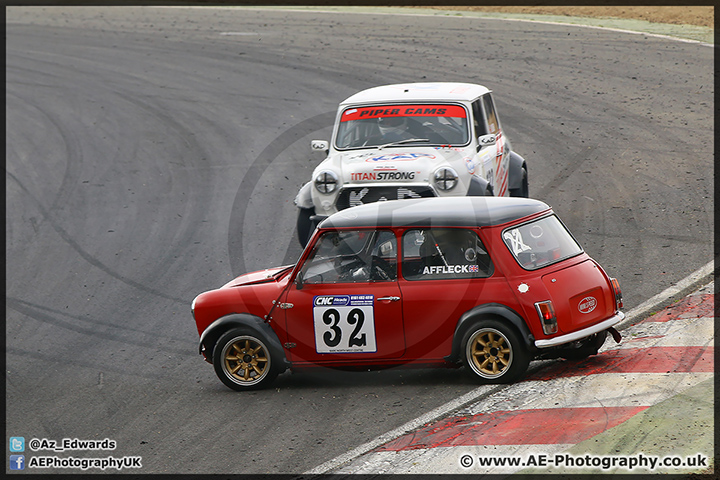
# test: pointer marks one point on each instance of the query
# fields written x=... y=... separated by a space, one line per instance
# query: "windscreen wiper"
x=400 y=142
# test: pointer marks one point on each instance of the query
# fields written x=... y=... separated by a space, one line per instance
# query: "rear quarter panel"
x=581 y=294
x=579 y=289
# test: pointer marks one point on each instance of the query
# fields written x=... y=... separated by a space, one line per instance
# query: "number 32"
x=332 y=338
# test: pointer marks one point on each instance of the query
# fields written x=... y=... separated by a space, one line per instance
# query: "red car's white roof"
x=412 y=92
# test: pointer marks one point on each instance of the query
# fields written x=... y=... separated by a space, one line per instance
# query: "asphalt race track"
x=154 y=153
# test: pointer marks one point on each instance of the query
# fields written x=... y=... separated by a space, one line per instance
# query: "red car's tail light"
x=617 y=292
x=546 y=312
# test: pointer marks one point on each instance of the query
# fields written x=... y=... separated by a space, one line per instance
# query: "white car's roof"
x=439 y=91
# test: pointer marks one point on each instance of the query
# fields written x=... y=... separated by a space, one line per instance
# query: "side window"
x=492 y=120
x=478 y=119
x=383 y=261
x=444 y=253
x=352 y=256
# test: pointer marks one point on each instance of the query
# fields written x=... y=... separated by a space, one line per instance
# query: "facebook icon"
x=17 y=462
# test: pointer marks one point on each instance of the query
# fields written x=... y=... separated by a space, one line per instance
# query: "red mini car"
x=485 y=282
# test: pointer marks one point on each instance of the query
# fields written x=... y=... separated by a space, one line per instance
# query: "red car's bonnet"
x=260 y=276
x=252 y=293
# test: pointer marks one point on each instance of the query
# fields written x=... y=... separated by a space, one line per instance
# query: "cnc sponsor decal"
x=344 y=323
x=400 y=157
x=381 y=176
x=587 y=304
x=381 y=111
x=439 y=269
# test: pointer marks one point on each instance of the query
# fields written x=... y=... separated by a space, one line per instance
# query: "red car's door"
x=445 y=272
x=347 y=307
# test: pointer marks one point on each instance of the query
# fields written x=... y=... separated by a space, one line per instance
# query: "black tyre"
x=523 y=190
x=494 y=353
x=243 y=361
x=305 y=226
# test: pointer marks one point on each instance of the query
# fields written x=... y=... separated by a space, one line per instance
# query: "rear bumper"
x=580 y=334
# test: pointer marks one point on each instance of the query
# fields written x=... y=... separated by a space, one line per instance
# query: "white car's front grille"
x=354 y=196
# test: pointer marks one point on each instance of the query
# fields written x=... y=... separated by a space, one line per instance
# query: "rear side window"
x=540 y=243
x=444 y=253
x=492 y=120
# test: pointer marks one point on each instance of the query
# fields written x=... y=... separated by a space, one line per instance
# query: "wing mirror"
x=487 y=140
x=299 y=280
x=319 y=146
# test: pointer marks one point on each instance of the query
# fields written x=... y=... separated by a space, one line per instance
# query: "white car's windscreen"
x=418 y=124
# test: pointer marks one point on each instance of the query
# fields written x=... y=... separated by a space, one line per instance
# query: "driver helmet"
x=389 y=125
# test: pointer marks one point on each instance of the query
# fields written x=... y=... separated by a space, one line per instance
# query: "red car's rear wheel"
x=494 y=353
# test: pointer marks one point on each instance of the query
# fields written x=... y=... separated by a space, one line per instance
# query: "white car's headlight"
x=446 y=178
x=326 y=181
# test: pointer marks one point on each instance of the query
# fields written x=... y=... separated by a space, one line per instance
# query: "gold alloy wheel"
x=245 y=360
x=490 y=353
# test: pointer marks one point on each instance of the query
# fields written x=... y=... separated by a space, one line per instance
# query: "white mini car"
x=410 y=141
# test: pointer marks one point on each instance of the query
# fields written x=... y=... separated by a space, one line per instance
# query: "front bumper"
x=580 y=334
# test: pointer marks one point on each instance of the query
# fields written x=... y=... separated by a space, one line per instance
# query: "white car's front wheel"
x=523 y=190
x=305 y=225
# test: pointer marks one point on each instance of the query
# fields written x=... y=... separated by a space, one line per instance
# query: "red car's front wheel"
x=242 y=360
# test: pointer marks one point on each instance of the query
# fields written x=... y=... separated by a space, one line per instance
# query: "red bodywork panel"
x=408 y=321
x=251 y=293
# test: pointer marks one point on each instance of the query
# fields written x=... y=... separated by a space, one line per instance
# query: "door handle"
x=389 y=299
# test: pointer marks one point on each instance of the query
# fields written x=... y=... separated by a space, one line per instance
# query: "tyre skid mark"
x=75 y=361
x=17 y=304
x=73 y=172
x=85 y=255
x=45 y=315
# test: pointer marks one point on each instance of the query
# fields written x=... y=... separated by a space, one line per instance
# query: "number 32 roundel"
x=344 y=323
